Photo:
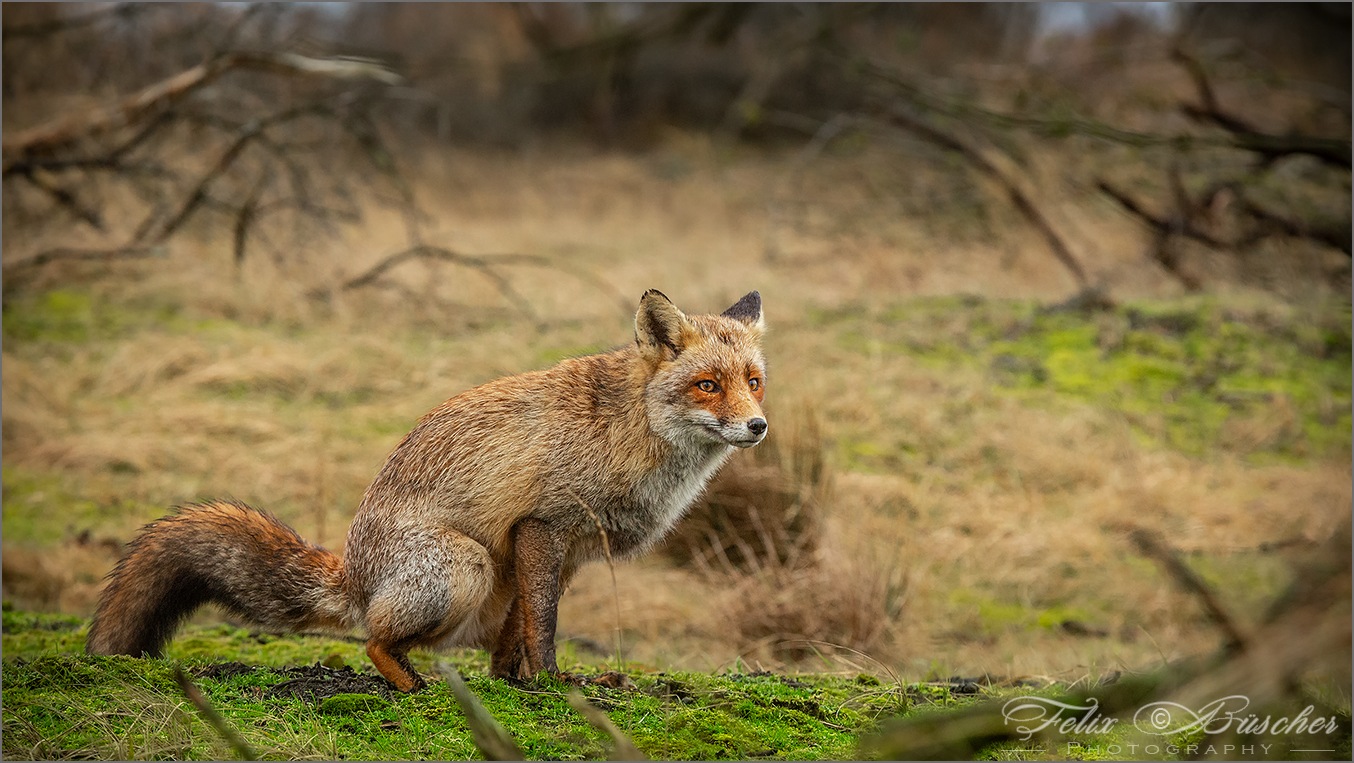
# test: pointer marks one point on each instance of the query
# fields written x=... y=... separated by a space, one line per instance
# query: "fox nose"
x=757 y=426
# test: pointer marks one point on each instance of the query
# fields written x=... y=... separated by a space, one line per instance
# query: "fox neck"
x=682 y=462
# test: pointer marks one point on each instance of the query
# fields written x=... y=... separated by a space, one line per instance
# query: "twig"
x=132 y=109
x=996 y=164
x=70 y=253
x=1329 y=149
x=45 y=28
x=214 y=718
x=625 y=746
x=1157 y=222
x=1246 y=136
x=66 y=199
x=490 y=736
x=486 y=264
x=1152 y=545
x=615 y=588
x=250 y=133
x=248 y=213
x=1335 y=235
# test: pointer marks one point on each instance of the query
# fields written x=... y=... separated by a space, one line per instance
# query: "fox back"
x=625 y=439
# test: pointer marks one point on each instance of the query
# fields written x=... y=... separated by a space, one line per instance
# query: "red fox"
x=482 y=514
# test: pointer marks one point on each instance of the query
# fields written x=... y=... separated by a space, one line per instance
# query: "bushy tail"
x=241 y=558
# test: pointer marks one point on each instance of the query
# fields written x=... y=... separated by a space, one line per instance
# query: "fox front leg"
x=538 y=560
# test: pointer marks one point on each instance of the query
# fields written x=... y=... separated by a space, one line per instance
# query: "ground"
x=984 y=449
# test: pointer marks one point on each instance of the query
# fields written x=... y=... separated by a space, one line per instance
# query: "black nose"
x=757 y=426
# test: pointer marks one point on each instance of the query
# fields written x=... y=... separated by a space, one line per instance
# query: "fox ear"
x=747 y=310
x=660 y=327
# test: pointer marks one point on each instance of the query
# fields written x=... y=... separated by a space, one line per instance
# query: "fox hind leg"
x=441 y=582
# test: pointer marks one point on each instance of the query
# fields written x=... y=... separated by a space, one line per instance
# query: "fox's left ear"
x=747 y=310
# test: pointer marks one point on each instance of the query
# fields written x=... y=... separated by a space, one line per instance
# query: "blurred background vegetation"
x=1036 y=276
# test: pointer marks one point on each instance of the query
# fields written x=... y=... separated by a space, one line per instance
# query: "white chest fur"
x=677 y=482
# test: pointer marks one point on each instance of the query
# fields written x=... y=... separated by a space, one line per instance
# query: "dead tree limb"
x=19 y=272
x=1159 y=222
x=1153 y=546
x=67 y=23
x=1333 y=150
x=1006 y=172
x=485 y=264
x=66 y=130
x=1245 y=135
x=1333 y=234
x=66 y=198
x=244 y=218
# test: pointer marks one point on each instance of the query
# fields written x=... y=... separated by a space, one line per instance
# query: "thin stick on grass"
x=1153 y=546
x=625 y=746
x=490 y=737
x=615 y=588
x=232 y=737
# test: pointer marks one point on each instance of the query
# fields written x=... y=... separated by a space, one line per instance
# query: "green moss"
x=68 y=316
x=1193 y=375
x=352 y=704
x=80 y=706
x=39 y=509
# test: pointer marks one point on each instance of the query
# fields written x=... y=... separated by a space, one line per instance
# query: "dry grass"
x=965 y=556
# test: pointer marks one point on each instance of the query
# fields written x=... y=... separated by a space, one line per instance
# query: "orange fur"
x=472 y=528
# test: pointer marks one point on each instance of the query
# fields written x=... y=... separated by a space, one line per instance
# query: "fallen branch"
x=625 y=746
x=485 y=265
x=996 y=164
x=67 y=23
x=132 y=109
x=1245 y=135
x=66 y=198
x=18 y=272
x=1333 y=150
x=231 y=736
x=1158 y=222
x=1153 y=546
x=1335 y=235
x=490 y=737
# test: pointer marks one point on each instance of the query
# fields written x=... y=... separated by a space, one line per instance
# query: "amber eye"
x=755 y=384
x=707 y=386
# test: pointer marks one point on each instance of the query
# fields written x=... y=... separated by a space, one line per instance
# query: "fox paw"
x=612 y=679
x=572 y=679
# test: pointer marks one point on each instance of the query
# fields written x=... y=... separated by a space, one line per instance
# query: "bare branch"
x=1153 y=546
x=490 y=737
x=486 y=264
x=132 y=109
x=66 y=199
x=231 y=736
x=247 y=214
x=1332 y=150
x=1246 y=136
x=1157 y=222
x=1336 y=235
x=67 y=23
x=251 y=132
x=996 y=164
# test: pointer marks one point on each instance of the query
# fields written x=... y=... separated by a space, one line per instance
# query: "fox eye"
x=707 y=386
x=755 y=384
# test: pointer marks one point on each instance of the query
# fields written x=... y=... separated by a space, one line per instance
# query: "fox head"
x=706 y=375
